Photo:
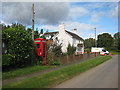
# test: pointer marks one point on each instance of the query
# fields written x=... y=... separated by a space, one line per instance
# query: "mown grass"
x=23 y=71
x=58 y=76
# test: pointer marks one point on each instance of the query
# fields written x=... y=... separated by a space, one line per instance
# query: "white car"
x=104 y=52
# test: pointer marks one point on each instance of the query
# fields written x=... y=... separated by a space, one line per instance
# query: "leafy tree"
x=20 y=45
x=36 y=33
x=71 y=49
x=105 y=40
x=89 y=43
x=117 y=40
x=41 y=31
x=29 y=30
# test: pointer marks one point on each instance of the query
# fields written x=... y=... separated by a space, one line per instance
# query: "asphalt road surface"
x=102 y=76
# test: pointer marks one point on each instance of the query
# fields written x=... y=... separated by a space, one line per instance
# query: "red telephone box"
x=41 y=49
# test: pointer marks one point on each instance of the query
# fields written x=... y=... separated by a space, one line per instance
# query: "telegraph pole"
x=95 y=41
x=95 y=38
x=33 y=21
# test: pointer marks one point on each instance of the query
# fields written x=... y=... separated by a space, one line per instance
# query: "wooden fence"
x=74 y=58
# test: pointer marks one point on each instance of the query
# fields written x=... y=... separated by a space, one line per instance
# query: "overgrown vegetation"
x=71 y=49
x=55 y=77
x=19 y=44
x=54 y=52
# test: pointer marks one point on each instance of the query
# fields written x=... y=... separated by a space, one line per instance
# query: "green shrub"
x=19 y=44
x=71 y=49
x=88 y=50
x=54 y=52
x=52 y=59
x=57 y=62
x=55 y=48
x=6 y=59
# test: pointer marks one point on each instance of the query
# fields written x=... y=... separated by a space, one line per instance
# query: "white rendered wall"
x=63 y=38
x=76 y=42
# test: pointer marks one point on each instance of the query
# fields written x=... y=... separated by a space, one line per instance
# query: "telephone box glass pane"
x=37 y=41
x=43 y=50
x=43 y=41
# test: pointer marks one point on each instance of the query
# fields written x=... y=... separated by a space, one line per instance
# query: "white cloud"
x=78 y=12
x=114 y=12
x=49 y=27
x=45 y=12
x=96 y=16
x=79 y=26
x=91 y=35
x=4 y=23
x=70 y=26
x=82 y=28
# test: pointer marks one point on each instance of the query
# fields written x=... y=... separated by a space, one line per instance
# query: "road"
x=102 y=76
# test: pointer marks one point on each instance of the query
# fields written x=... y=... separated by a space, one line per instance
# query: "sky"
x=84 y=16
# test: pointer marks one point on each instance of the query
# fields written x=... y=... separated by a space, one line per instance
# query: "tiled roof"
x=50 y=33
x=72 y=34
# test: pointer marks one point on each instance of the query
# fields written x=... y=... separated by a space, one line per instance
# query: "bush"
x=52 y=59
x=71 y=50
x=57 y=62
x=88 y=50
x=54 y=52
x=55 y=48
x=6 y=59
x=20 y=46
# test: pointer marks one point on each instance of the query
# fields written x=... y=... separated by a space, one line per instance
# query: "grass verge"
x=23 y=71
x=114 y=52
x=58 y=76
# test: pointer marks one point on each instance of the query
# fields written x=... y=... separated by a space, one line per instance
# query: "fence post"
x=95 y=54
x=67 y=58
x=73 y=57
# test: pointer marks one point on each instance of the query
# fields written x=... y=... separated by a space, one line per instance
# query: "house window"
x=74 y=41
x=79 y=49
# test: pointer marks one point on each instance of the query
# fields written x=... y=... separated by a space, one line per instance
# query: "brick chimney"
x=75 y=31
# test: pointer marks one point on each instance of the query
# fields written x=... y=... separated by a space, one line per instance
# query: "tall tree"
x=71 y=49
x=89 y=43
x=105 y=40
x=19 y=45
x=36 y=34
x=41 y=31
x=117 y=40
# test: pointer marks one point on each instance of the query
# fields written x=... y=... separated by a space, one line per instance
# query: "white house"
x=65 y=37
